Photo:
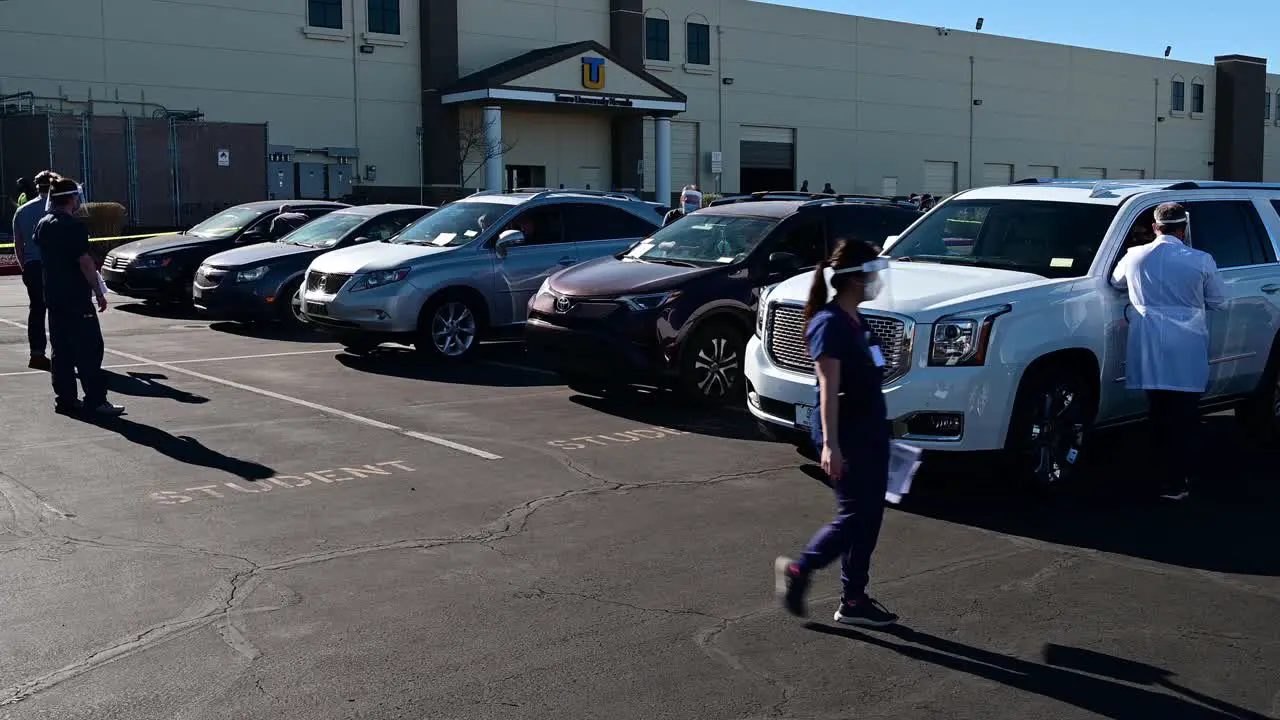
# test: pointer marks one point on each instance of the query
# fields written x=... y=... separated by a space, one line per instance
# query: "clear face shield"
x=874 y=276
x=690 y=201
x=76 y=208
x=1183 y=222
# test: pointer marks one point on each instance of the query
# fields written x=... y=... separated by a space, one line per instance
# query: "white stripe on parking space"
x=298 y=401
x=181 y=362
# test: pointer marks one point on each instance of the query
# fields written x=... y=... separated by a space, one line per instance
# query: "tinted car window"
x=1053 y=239
x=1222 y=229
x=225 y=224
x=324 y=232
x=806 y=238
x=591 y=221
x=540 y=225
x=704 y=239
x=872 y=224
x=386 y=226
x=455 y=224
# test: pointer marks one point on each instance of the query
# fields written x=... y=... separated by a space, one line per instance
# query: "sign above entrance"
x=593 y=73
x=594 y=100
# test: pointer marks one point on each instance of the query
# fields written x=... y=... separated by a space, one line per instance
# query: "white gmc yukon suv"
x=1002 y=331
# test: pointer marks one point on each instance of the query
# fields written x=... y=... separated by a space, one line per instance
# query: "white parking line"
x=298 y=401
x=180 y=362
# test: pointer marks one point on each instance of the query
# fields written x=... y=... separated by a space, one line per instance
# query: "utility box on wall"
x=311 y=181
x=280 y=174
x=339 y=177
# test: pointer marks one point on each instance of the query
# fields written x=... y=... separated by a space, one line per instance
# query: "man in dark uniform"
x=70 y=284
x=287 y=221
x=25 y=220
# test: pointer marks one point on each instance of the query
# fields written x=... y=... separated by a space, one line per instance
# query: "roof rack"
x=545 y=191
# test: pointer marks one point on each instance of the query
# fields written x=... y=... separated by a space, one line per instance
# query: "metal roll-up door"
x=684 y=155
x=1131 y=174
x=997 y=174
x=939 y=178
x=1093 y=173
x=1042 y=171
x=767 y=147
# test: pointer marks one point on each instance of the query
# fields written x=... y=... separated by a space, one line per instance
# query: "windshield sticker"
x=724 y=260
x=444 y=238
x=703 y=227
x=471 y=233
x=1061 y=262
x=641 y=249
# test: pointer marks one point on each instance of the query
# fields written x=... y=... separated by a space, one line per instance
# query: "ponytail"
x=817 y=293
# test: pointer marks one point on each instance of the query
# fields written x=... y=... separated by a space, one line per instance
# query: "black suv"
x=677 y=308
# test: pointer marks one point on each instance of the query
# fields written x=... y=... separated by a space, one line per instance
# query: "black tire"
x=449 y=329
x=1259 y=415
x=356 y=344
x=289 y=305
x=711 y=364
x=1050 y=427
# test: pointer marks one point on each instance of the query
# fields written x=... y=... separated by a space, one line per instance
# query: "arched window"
x=657 y=35
x=697 y=40
x=1177 y=95
x=1197 y=95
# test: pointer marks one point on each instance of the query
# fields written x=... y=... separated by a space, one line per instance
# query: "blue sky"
x=1196 y=30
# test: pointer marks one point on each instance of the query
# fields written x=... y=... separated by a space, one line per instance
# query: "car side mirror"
x=360 y=240
x=508 y=239
x=253 y=236
x=784 y=261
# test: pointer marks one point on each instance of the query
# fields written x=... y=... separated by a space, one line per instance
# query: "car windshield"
x=1053 y=239
x=455 y=224
x=326 y=231
x=225 y=223
x=703 y=239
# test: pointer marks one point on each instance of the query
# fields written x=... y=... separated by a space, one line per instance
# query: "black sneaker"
x=1176 y=491
x=106 y=409
x=791 y=584
x=73 y=407
x=865 y=612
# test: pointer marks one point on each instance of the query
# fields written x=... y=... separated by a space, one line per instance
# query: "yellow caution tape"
x=7 y=246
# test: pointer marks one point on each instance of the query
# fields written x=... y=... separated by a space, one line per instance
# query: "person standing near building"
x=690 y=202
x=24 y=247
x=853 y=434
x=26 y=191
x=70 y=285
x=804 y=186
x=827 y=189
x=1171 y=287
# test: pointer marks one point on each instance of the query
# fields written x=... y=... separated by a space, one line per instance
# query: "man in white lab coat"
x=1171 y=289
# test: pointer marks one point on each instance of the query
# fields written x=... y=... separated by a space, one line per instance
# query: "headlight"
x=147 y=263
x=962 y=339
x=378 y=278
x=251 y=274
x=544 y=288
x=762 y=310
x=648 y=302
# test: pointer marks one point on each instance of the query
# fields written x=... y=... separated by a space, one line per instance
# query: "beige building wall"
x=575 y=147
x=490 y=31
x=234 y=60
x=1271 y=134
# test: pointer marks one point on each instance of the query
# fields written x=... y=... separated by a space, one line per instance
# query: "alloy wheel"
x=453 y=329
x=1056 y=433
x=717 y=367
x=295 y=307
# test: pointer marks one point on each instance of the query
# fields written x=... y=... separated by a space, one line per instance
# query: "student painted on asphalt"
x=1171 y=287
x=24 y=247
x=70 y=284
x=853 y=434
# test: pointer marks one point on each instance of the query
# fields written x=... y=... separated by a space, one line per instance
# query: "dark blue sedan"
x=261 y=282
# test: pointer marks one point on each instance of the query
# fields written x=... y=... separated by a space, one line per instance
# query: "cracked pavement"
x=225 y=554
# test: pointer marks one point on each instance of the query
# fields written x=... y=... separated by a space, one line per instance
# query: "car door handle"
x=567 y=261
x=1271 y=289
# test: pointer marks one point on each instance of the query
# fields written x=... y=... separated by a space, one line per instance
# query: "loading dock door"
x=1042 y=171
x=684 y=156
x=1131 y=174
x=939 y=178
x=995 y=174
x=768 y=159
x=1093 y=173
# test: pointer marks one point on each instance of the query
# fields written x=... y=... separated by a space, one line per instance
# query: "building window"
x=384 y=16
x=657 y=39
x=1266 y=109
x=1197 y=97
x=697 y=43
x=324 y=13
x=1178 y=96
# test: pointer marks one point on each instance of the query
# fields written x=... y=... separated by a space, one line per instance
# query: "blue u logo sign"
x=593 y=73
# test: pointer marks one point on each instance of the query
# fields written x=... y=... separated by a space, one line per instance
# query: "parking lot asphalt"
x=277 y=529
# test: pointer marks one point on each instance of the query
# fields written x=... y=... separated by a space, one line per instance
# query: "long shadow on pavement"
x=271 y=331
x=1102 y=684
x=170 y=311
x=1231 y=524
x=138 y=384
x=183 y=448
x=409 y=364
x=669 y=409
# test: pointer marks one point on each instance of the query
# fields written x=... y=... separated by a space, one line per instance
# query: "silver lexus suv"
x=467 y=270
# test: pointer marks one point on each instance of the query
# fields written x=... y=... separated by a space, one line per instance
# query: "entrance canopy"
x=583 y=74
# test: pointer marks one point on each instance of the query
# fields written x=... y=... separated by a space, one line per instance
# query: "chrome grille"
x=328 y=283
x=115 y=262
x=784 y=330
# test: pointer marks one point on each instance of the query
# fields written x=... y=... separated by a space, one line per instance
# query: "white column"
x=492 y=151
x=662 y=160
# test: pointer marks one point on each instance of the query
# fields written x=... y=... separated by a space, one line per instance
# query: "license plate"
x=313 y=308
x=804 y=416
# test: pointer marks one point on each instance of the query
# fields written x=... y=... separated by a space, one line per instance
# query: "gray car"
x=468 y=270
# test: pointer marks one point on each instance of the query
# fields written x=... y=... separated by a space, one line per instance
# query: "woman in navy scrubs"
x=854 y=434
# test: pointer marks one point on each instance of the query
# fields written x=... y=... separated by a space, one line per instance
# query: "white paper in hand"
x=102 y=285
x=904 y=461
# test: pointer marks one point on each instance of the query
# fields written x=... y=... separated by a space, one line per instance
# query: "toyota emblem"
x=563 y=304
